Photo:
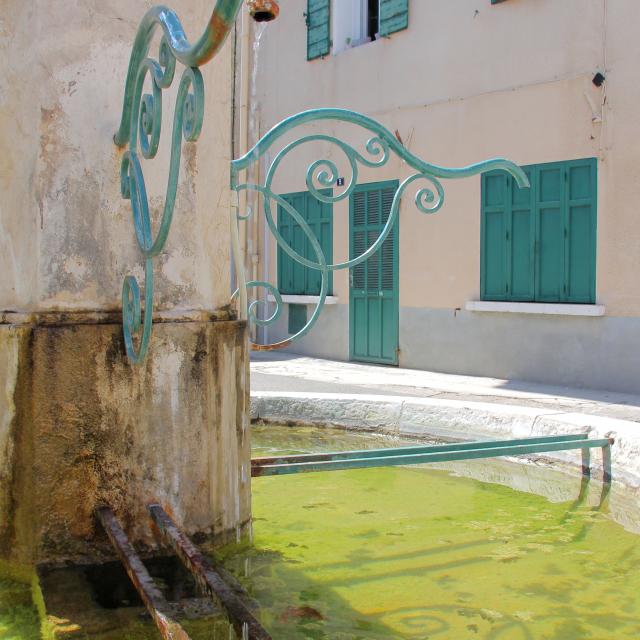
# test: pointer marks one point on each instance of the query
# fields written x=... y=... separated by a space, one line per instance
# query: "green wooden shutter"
x=394 y=16
x=550 y=286
x=291 y=274
x=293 y=277
x=318 y=28
x=521 y=232
x=387 y=252
x=319 y=218
x=539 y=244
x=566 y=211
x=297 y=318
x=580 y=221
x=493 y=279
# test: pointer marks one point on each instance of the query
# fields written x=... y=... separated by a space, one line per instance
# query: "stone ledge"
x=455 y=420
x=303 y=299
x=108 y=316
x=537 y=308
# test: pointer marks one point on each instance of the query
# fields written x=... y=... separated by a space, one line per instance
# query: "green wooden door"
x=373 y=285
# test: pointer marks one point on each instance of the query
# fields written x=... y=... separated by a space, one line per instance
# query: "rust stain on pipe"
x=270 y=347
x=149 y=593
x=243 y=621
x=263 y=10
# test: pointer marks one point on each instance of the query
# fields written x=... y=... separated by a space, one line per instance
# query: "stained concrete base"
x=81 y=427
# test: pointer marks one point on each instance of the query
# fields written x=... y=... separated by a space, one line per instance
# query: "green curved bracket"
x=140 y=130
x=376 y=152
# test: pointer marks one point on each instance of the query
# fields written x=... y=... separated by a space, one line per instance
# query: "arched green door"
x=373 y=285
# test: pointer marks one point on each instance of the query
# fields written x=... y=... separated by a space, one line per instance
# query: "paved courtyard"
x=284 y=372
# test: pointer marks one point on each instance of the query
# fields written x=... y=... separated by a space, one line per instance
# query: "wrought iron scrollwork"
x=140 y=130
x=323 y=173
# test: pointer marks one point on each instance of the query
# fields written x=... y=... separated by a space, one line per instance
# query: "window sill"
x=543 y=308
x=298 y=299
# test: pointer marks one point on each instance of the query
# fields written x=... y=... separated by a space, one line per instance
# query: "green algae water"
x=417 y=553
x=421 y=553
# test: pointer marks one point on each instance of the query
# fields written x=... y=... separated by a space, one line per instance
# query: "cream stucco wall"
x=468 y=81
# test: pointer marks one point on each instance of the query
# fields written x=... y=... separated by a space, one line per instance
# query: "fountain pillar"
x=80 y=425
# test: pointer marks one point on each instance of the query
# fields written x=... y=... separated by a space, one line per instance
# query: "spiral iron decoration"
x=323 y=173
x=140 y=130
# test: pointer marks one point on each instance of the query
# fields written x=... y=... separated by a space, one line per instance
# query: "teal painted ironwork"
x=285 y=465
x=140 y=129
x=323 y=174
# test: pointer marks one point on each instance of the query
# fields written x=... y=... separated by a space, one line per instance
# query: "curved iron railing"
x=324 y=173
x=140 y=130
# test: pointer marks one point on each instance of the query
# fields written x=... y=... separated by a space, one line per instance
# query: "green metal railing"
x=284 y=465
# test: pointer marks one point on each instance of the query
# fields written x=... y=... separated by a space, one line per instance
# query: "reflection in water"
x=418 y=552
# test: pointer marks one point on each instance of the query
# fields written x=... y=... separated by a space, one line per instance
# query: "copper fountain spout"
x=263 y=10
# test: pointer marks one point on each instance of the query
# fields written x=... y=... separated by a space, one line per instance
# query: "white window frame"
x=349 y=28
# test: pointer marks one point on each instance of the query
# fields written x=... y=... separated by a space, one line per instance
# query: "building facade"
x=537 y=284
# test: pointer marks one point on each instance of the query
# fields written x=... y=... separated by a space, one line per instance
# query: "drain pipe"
x=245 y=84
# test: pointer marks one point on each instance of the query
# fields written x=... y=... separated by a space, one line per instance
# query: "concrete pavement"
x=286 y=387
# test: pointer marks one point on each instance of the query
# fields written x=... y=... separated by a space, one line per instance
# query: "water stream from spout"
x=253 y=172
x=252 y=177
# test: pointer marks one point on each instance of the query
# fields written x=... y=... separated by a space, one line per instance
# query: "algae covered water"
x=421 y=553
x=418 y=553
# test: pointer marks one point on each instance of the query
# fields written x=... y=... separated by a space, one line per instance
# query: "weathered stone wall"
x=79 y=426
x=66 y=234
x=89 y=429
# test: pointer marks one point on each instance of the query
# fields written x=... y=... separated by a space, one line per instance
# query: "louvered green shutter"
x=493 y=278
x=373 y=291
x=293 y=277
x=291 y=274
x=318 y=28
x=550 y=263
x=539 y=244
x=580 y=257
x=394 y=16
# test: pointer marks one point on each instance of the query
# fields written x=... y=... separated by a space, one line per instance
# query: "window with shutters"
x=293 y=277
x=539 y=244
x=340 y=24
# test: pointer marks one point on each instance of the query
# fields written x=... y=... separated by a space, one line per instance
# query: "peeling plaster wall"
x=11 y=341
x=66 y=234
x=78 y=425
x=89 y=429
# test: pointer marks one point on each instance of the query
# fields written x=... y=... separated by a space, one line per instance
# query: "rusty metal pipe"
x=149 y=593
x=263 y=10
x=243 y=621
